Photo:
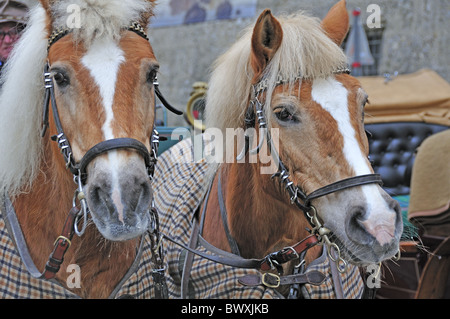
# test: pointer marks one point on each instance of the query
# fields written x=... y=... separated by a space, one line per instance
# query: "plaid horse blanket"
x=178 y=192
x=17 y=283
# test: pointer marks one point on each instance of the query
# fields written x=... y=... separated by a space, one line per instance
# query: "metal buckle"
x=267 y=278
x=290 y=248
x=63 y=238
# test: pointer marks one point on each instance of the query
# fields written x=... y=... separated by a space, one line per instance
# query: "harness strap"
x=61 y=245
x=193 y=241
x=188 y=261
x=337 y=281
x=269 y=262
x=223 y=212
x=158 y=269
x=270 y=280
x=164 y=101
x=344 y=184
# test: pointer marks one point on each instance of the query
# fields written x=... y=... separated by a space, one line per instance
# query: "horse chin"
x=368 y=253
x=115 y=230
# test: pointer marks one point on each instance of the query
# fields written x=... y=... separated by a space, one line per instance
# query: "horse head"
x=294 y=82
x=102 y=72
x=322 y=141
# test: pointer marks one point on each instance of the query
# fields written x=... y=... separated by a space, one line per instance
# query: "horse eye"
x=366 y=101
x=151 y=76
x=285 y=116
x=61 y=79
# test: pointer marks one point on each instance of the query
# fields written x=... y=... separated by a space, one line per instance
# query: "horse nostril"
x=138 y=193
x=355 y=228
x=394 y=205
x=96 y=194
x=99 y=199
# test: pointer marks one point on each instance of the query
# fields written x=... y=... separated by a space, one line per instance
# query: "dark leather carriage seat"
x=392 y=148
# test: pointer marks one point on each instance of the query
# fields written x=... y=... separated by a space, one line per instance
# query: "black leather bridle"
x=78 y=169
x=297 y=195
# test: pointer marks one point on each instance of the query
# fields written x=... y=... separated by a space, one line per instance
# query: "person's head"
x=13 y=19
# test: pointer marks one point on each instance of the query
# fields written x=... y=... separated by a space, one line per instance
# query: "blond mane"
x=98 y=18
x=21 y=105
x=305 y=52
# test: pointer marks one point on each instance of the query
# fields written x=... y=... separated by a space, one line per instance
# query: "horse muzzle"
x=119 y=196
x=374 y=235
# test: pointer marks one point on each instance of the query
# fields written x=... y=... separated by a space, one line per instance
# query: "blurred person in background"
x=13 y=19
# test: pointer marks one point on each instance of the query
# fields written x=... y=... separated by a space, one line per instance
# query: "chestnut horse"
x=99 y=87
x=286 y=80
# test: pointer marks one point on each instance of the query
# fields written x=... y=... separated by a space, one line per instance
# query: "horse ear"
x=146 y=16
x=46 y=5
x=336 y=22
x=266 y=39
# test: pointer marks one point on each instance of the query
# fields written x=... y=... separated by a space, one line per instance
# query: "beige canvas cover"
x=423 y=96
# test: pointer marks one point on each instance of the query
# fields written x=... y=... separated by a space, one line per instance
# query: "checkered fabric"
x=140 y=284
x=178 y=192
x=17 y=283
x=352 y=283
x=178 y=188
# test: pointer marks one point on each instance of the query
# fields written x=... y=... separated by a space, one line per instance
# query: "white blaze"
x=333 y=97
x=103 y=61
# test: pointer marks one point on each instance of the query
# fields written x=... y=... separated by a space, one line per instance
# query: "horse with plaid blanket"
x=285 y=183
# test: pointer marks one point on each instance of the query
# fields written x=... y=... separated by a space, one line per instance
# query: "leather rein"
x=78 y=169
